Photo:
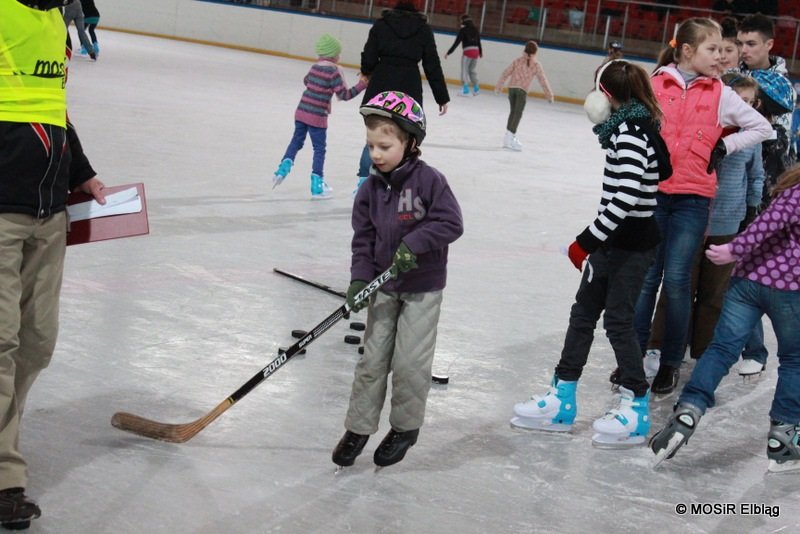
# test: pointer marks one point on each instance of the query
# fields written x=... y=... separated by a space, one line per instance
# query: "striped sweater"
x=630 y=181
x=322 y=82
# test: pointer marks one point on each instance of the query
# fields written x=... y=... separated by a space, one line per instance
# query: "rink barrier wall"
x=292 y=35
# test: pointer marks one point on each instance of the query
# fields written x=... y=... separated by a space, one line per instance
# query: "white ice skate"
x=652 y=360
x=783 y=449
x=510 y=141
x=553 y=412
x=625 y=426
x=750 y=369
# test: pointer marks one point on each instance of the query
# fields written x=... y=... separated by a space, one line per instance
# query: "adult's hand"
x=442 y=109
x=93 y=186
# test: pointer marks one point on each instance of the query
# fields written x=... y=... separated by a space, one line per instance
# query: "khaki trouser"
x=31 y=267
x=400 y=338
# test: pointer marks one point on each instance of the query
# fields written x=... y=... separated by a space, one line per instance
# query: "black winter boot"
x=666 y=380
x=394 y=447
x=16 y=511
x=348 y=448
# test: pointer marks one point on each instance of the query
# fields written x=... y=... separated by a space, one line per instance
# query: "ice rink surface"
x=168 y=325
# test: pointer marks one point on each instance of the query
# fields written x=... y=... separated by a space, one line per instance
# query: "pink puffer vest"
x=690 y=128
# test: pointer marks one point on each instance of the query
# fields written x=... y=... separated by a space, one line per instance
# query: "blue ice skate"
x=283 y=170
x=553 y=412
x=626 y=425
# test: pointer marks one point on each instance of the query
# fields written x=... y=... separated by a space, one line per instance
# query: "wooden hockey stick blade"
x=180 y=433
x=172 y=433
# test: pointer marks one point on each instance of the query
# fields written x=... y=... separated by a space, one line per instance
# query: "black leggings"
x=90 y=28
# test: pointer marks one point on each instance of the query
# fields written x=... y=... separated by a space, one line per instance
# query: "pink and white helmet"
x=401 y=108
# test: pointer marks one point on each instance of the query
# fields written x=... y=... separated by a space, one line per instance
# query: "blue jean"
x=745 y=303
x=364 y=163
x=318 y=141
x=682 y=221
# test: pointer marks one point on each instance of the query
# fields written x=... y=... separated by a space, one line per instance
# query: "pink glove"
x=720 y=254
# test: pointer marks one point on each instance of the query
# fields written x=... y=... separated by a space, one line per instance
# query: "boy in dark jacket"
x=404 y=216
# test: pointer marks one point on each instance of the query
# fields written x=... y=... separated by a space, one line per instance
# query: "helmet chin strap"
x=44 y=5
x=410 y=147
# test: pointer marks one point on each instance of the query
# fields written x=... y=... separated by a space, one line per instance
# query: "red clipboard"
x=112 y=227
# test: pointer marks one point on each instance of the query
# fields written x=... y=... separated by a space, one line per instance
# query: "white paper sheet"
x=127 y=201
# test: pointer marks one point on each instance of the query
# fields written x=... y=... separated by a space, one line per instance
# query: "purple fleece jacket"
x=412 y=204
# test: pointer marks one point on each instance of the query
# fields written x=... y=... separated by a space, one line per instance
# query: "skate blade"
x=751 y=378
x=785 y=467
x=673 y=445
x=616 y=441
x=529 y=423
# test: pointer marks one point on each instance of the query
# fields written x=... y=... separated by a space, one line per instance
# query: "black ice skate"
x=348 y=449
x=394 y=446
x=679 y=429
x=16 y=511
x=783 y=447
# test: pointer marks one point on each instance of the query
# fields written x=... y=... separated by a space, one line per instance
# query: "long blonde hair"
x=691 y=32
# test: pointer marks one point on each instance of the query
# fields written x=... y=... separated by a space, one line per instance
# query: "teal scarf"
x=632 y=109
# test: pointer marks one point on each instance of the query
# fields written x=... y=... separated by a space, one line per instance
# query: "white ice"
x=168 y=325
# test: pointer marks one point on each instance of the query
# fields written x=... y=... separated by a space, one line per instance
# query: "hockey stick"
x=180 y=433
x=311 y=283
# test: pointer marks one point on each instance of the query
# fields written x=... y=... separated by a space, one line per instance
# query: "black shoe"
x=16 y=511
x=666 y=380
x=348 y=448
x=394 y=447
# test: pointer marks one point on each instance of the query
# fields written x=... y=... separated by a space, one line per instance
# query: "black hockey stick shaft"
x=180 y=433
x=312 y=283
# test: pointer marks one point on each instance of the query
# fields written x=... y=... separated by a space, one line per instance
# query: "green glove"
x=404 y=260
x=355 y=288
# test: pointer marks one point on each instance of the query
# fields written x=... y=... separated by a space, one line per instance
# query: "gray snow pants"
x=400 y=338
x=469 y=71
x=74 y=12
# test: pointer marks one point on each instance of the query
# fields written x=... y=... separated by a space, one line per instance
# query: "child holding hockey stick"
x=620 y=244
x=766 y=280
x=311 y=117
x=404 y=215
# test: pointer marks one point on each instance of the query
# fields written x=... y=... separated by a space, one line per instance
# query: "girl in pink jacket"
x=697 y=106
x=520 y=74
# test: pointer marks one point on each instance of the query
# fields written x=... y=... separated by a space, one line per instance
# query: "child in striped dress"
x=311 y=117
x=520 y=74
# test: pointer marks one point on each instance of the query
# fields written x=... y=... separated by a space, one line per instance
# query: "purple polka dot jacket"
x=768 y=251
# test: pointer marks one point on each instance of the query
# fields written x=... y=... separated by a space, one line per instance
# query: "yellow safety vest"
x=32 y=65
